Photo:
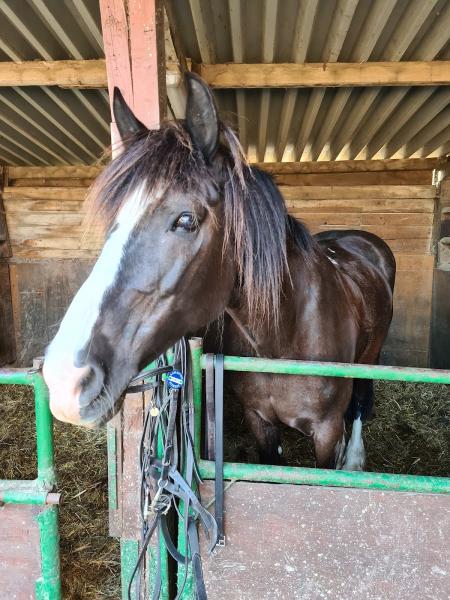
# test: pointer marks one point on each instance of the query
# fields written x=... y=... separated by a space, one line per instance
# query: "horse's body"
x=338 y=309
x=194 y=232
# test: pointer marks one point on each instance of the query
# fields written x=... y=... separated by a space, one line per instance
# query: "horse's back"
x=364 y=245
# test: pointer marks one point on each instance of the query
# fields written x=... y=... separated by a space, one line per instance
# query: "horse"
x=194 y=232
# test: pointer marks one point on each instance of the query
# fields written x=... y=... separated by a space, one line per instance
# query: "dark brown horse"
x=194 y=232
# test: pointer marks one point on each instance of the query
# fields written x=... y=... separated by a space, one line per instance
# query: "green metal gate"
x=308 y=476
x=292 y=475
x=40 y=491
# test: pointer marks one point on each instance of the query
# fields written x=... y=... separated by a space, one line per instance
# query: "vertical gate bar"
x=129 y=552
x=48 y=586
x=44 y=432
x=196 y=350
x=111 y=445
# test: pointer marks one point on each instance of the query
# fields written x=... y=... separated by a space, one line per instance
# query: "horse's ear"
x=127 y=124
x=202 y=120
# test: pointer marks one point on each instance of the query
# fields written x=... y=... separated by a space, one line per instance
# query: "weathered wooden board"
x=20 y=564
x=66 y=172
x=440 y=334
x=335 y=166
x=7 y=338
x=299 y=206
x=344 y=166
x=440 y=322
x=56 y=182
x=26 y=205
x=45 y=193
x=358 y=178
x=41 y=293
x=409 y=334
x=291 y=542
x=5 y=250
x=362 y=192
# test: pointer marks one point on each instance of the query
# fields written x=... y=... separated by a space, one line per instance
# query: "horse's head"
x=162 y=272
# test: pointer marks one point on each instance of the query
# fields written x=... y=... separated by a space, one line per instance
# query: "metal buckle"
x=221 y=542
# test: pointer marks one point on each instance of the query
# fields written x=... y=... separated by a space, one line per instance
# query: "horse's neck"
x=271 y=337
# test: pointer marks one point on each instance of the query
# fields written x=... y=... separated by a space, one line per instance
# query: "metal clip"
x=221 y=543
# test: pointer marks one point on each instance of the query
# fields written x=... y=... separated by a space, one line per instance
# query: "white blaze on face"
x=61 y=375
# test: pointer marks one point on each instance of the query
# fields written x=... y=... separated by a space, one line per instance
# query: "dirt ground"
x=410 y=433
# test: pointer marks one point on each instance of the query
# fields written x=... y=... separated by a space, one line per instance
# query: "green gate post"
x=40 y=490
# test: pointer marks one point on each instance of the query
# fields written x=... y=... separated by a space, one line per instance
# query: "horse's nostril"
x=88 y=378
x=91 y=385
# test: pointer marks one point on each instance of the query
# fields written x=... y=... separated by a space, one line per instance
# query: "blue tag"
x=175 y=380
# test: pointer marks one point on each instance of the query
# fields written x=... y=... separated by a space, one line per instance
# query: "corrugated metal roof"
x=49 y=125
x=322 y=123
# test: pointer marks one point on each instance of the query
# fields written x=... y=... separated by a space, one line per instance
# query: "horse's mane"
x=257 y=225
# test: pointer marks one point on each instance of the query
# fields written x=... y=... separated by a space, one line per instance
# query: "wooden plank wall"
x=44 y=209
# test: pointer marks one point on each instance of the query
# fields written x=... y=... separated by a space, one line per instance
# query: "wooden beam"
x=67 y=73
x=341 y=166
x=291 y=75
x=64 y=73
x=92 y=74
x=348 y=166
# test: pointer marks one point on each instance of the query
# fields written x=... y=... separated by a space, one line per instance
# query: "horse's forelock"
x=157 y=160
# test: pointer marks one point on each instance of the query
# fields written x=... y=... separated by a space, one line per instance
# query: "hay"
x=409 y=434
x=90 y=559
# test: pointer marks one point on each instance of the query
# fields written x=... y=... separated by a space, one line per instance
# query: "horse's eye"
x=186 y=221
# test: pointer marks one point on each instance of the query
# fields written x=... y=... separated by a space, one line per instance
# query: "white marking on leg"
x=280 y=450
x=355 y=456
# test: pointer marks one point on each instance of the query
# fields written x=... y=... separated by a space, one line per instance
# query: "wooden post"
x=133 y=35
x=7 y=334
x=440 y=319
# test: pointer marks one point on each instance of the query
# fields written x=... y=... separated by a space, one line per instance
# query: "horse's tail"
x=361 y=403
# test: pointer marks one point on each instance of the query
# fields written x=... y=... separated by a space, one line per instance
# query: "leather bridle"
x=163 y=487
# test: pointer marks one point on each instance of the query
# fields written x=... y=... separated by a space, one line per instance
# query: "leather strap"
x=210 y=408
x=218 y=385
x=243 y=329
x=196 y=561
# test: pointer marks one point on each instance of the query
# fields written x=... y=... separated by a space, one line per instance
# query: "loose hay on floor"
x=410 y=433
x=90 y=562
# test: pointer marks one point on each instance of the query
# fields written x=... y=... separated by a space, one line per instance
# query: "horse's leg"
x=268 y=438
x=329 y=442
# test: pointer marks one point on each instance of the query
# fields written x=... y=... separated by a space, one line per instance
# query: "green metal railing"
x=39 y=491
x=301 y=475
x=326 y=477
